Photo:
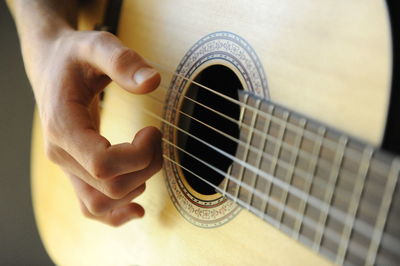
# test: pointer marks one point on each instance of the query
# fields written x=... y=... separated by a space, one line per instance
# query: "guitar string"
x=283 y=164
x=307 y=133
x=323 y=163
x=376 y=166
x=339 y=191
x=361 y=226
x=320 y=183
x=264 y=155
x=351 y=153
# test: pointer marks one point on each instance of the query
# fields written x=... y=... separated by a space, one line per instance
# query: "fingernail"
x=144 y=74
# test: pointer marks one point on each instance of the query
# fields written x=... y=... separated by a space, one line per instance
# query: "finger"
x=101 y=159
x=124 y=66
x=96 y=202
x=117 y=187
x=121 y=186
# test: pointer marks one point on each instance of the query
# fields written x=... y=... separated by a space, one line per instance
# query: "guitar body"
x=330 y=60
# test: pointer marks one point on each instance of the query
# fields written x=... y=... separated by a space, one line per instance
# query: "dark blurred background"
x=19 y=240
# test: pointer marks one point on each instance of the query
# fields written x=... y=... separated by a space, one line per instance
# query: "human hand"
x=67 y=76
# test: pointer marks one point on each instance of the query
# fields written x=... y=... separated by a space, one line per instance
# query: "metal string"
x=304 y=154
x=308 y=134
x=360 y=226
x=302 y=173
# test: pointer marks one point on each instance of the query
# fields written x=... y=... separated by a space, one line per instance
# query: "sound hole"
x=197 y=155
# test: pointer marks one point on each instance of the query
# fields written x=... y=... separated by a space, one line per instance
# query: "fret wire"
x=242 y=116
x=290 y=171
x=328 y=196
x=310 y=135
x=242 y=112
x=250 y=139
x=226 y=181
x=312 y=168
x=267 y=186
x=259 y=155
x=246 y=152
x=331 y=234
x=240 y=125
x=323 y=163
x=383 y=211
x=274 y=162
x=360 y=226
x=354 y=205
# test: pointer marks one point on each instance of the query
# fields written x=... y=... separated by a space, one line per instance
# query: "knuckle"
x=53 y=130
x=98 y=37
x=102 y=36
x=86 y=213
x=97 y=205
x=52 y=152
x=141 y=189
x=114 y=223
x=121 y=57
x=115 y=190
x=99 y=167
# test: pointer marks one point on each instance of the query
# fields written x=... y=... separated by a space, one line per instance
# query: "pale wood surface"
x=328 y=59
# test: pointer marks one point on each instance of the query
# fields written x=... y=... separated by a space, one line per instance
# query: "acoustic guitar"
x=273 y=116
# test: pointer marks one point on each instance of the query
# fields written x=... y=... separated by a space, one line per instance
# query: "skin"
x=67 y=70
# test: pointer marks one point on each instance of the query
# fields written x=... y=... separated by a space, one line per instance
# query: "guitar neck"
x=334 y=193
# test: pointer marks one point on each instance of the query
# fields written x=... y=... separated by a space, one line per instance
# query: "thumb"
x=124 y=66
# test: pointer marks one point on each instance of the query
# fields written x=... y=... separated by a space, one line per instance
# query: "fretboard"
x=332 y=192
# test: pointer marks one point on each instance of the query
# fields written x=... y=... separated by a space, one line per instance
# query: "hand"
x=67 y=77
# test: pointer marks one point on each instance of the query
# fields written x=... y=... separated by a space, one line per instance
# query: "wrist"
x=43 y=19
x=40 y=24
x=38 y=47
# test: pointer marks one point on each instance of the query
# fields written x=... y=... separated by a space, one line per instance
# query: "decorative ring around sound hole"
x=216 y=49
